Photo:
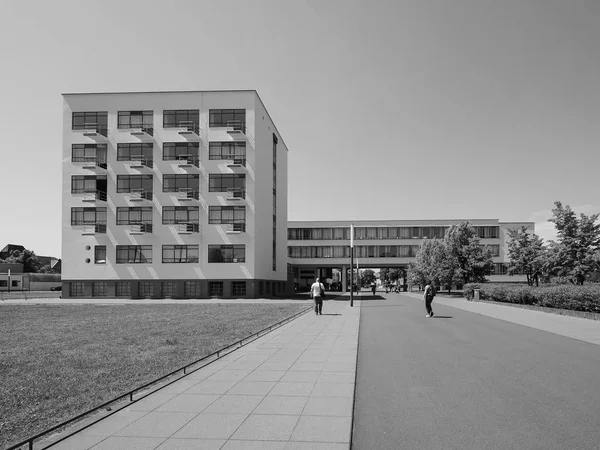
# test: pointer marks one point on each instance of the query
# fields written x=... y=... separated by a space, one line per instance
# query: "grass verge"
x=57 y=361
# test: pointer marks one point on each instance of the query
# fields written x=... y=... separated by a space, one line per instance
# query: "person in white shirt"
x=317 y=291
x=428 y=295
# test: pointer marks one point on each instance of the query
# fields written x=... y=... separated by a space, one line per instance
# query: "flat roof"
x=186 y=92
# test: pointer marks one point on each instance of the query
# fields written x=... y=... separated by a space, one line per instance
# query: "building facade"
x=322 y=249
x=173 y=195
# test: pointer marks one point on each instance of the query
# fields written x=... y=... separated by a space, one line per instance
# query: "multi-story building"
x=323 y=248
x=173 y=194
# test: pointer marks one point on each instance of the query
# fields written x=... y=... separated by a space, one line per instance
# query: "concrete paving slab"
x=189 y=403
x=235 y=404
x=323 y=429
x=128 y=443
x=192 y=444
x=292 y=389
x=211 y=426
x=281 y=405
x=267 y=428
x=157 y=424
x=329 y=406
x=255 y=445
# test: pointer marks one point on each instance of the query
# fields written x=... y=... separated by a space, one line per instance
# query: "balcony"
x=141 y=162
x=237 y=162
x=236 y=127
x=140 y=228
x=142 y=130
x=94 y=130
x=188 y=228
x=90 y=229
x=188 y=128
x=139 y=195
x=188 y=161
x=91 y=162
x=187 y=194
x=94 y=196
x=236 y=194
x=236 y=227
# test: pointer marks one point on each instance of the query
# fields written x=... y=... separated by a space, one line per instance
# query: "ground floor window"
x=99 y=289
x=76 y=289
x=191 y=289
x=146 y=289
x=261 y=288
x=123 y=289
x=238 y=288
x=227 y=253
x=167 y=289
x=215 y=288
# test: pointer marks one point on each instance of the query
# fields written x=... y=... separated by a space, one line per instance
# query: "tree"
x=466 y=261
x=428 y=264
x=527 y=254
x=31 y=263
x=574 y=255
x=367 y=276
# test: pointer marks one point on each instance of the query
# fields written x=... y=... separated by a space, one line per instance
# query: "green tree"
x=467 y=260
x=429 y=263
x=31 y=263
x=367 y=276
x=575 y=254
x=527 y=254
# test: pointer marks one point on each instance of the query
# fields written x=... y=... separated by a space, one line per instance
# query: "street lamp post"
x=351 y=265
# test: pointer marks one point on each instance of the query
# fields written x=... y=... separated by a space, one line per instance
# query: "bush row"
x=563 y=296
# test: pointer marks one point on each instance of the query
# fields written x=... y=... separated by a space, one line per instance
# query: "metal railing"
x=92 y=196
x=237 y=160
x=140 y=128
x=236 y=227
x=140 y=227
x=92 y=128
x=188 y=160
x=93 y=228
x=89 y=161
x=141 y=161
x=236 y=193
x=141 y=194
x=188 y=194
x=184 y=371
x=189 y=126
x=237 y=126
x=188 y=227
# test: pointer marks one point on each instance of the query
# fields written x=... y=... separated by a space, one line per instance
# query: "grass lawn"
x=57 y=361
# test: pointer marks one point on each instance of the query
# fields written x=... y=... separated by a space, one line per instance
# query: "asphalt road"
x=467 y=381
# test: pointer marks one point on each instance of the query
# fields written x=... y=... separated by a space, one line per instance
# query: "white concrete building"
x=316 y=248
x=173 y=194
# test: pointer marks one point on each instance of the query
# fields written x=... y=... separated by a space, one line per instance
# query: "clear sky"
x=395 y=109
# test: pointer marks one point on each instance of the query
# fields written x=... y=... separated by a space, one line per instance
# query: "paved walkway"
x=291 y=389
x=574 y=327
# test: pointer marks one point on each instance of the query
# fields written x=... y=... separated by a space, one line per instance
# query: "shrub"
x=563 y=296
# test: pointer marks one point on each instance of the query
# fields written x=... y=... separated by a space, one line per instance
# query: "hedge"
x=562 y=296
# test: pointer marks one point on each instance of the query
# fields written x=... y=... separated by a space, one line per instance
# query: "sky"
x=391 y=110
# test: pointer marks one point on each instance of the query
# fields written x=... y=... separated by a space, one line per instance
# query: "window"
x=89 y=153
x=224 y=181
x=180 y=253
x=173 y=183
x=132 y=183
x=3 y=283
x=226 y=214
x=136 y=151
x=227 y=253
x=227 y=150
x=134 y=254
x=167 y=289
x=238 y=288
x=180 y=214
x=178 y=118
x=135 y=215
x=174 y=151
x=488 y=232
x=14 y=283
x=89 y=216
x=495 y=248
x=360 y=233
x=76 y=289
x=191 y=289
x=100 y=254
x=99 y=289
x=215 y=288
x=146 y=289
x=500 y=269
x=93 y=120
x=226 y=117
x=81 y=184
x=123 y=289
x=136 y=119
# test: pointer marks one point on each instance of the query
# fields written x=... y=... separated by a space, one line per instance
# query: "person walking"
x=317 y=292
x=428 y=295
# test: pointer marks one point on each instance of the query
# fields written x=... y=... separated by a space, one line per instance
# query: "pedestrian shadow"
x=336 y=314
x=382 y=306
x=443 y=317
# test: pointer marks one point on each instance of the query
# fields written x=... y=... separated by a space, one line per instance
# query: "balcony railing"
x=188 y=194
x=140 y=228
x=140 y=162
x=89 y=229
x=138 y=195
x=94 y=196
x=91 y=162
x=92 y=129
x=188 y=127
x=236 y=194
x=236 y=161
x=236 y=127
x=188 y=228
x=236 y=227
x=145 y=129
x=188 y=161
